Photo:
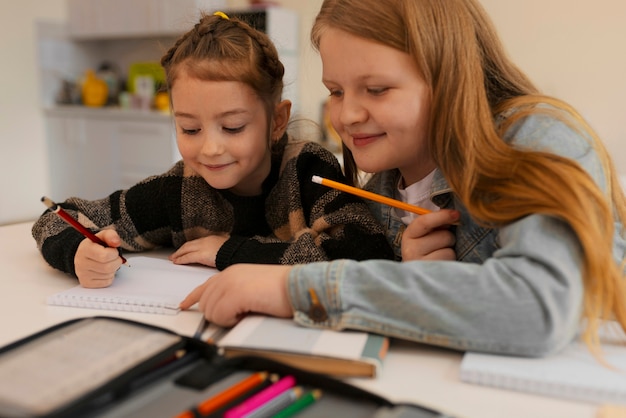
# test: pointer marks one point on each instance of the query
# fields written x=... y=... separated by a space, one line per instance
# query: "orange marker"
x=212 y=404
x=369 y=195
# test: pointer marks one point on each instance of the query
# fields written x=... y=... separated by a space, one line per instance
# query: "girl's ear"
x=282 y=112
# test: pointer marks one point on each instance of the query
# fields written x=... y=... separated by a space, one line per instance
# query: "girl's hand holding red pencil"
x=95 y=264
x=92 y=266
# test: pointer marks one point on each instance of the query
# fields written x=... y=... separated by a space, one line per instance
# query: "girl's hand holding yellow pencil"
x=428 y=237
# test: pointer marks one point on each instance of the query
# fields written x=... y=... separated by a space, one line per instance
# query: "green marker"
x=300 y=404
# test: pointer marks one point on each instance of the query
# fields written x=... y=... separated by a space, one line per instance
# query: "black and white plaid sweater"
x=293 y=221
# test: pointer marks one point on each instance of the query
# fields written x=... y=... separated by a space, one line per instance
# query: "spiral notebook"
x=150 y=285
x=573 y=373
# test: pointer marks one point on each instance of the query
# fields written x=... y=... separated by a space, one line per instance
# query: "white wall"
x=575 y=50
x=572 y=49
x=22 y=155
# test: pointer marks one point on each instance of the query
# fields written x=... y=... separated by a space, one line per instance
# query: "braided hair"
x=228 y=49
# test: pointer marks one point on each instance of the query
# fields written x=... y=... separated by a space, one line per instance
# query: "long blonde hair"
x=461 y=58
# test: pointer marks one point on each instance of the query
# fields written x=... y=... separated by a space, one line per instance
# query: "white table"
x=412 y=373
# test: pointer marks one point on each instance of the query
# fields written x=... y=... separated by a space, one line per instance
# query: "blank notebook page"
x=151 y=285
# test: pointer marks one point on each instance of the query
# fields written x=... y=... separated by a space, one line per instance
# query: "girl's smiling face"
x=222 y=133
x=379 y=104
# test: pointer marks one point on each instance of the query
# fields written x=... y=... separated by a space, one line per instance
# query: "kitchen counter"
x=106 y=112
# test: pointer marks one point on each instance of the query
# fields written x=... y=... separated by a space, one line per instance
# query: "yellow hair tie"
x=222 y=15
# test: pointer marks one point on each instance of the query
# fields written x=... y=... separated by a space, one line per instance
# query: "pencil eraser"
x=317 y=179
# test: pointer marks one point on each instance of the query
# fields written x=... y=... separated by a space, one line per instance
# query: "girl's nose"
x=351 y=111
x=212 y=146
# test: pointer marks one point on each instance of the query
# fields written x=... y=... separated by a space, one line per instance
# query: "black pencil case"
x=179 y=373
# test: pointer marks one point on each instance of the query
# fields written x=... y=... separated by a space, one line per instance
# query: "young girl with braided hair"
x=241 y=193
x=525 y=244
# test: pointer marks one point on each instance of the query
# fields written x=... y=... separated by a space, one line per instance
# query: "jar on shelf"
x=94 y=91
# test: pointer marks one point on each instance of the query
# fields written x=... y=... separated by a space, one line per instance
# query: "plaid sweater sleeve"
x=310 y=222
x=160 y=211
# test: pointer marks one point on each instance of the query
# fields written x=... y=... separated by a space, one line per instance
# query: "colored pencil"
x=304 y=402
x=277 y=404
x=261 y=398
x=224 y=397
x=201 y=327
x=369 y=195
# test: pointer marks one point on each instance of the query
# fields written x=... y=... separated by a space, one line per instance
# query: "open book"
x=574 y=373
x=337 y=353
x=151 y=285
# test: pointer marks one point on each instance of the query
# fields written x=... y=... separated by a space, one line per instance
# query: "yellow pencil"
x=369 y=195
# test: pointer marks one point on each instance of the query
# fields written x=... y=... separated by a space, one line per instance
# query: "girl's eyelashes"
x=377 y=90
x=189 y=131
x=226 y=129
x=335 y=93
x=233 y=130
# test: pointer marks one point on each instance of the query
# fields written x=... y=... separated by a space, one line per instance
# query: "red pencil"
x=53 y=207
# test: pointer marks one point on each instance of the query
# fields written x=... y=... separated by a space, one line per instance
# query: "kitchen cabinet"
x=80 y=158
x=95 y=152
x=102 y=19
x=144 y=149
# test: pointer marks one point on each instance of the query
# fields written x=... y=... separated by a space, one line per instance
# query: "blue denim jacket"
x=515 y=290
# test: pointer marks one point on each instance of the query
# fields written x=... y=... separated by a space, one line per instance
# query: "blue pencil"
x=277 y=404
